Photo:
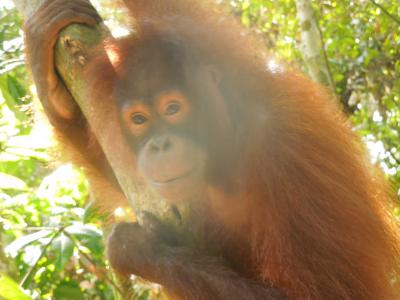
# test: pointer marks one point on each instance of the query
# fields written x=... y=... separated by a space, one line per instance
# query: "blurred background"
x=51 y=237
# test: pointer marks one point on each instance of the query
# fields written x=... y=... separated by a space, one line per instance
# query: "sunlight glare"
x=7 y=4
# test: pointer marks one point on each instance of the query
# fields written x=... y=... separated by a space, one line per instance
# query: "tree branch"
x=312 y=47
x=386 y=12
x=44 y=250
x=74 y=50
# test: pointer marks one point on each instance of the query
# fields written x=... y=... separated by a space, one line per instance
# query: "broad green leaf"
x=11 y=102
x=10 y=64
x=11 y=182
x=16 y=90
x=10 y=290
x=83 y=230
x=88 y=236
x=21 y=242
x=63 y=248
x=14 y=154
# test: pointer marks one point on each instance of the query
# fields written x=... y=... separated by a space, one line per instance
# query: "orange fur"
x=311 y=215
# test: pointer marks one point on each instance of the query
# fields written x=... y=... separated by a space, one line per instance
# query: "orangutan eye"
x=139 y=119
x=172 y=108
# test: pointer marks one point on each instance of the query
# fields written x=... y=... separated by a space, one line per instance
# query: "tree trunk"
x=312 y=47
x=74 y=49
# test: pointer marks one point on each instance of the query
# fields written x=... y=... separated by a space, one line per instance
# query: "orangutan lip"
x=172 y=180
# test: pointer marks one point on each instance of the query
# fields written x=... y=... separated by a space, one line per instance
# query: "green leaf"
x=16 y=154
x=11 y=182
x=10 y=290
x=20 y=243
x=16 y=90
x=11 y=102
x=144 y=296
x=91 y=213
x=88 y=236
x=68 y=291
x=64 y=249
x=84 y=230
x=10 y=64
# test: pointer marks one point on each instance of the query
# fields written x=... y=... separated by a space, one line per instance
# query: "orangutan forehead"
x=155 y=66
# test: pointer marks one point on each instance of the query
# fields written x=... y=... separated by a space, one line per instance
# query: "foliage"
x=52 y=240
x=362 y=39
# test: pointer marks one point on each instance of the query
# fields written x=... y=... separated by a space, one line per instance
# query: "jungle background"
x=51 y=237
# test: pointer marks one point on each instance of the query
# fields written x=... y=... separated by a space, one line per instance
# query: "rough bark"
x=312 y=47
x=74 y=50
